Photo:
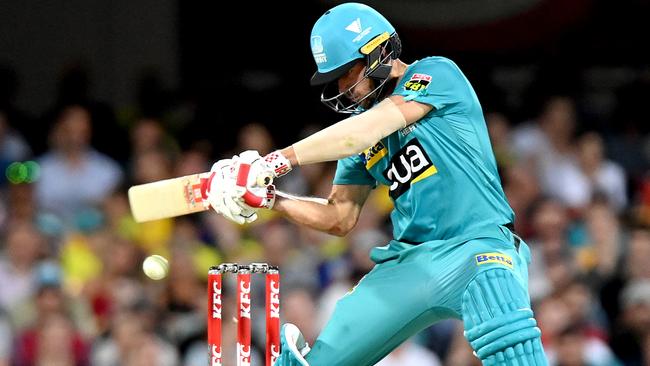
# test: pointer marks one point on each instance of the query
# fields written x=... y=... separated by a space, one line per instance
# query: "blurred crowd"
x=72 y=291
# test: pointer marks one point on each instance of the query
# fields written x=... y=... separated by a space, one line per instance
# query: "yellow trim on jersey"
x=427 y=173
x=374 y=154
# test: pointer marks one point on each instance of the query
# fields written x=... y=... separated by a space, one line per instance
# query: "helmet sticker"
x=317 y=49
x=355 y=27
x=316 y=44
x=370 y=46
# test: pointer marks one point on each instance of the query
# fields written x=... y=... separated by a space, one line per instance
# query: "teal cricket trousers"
x=413 y=286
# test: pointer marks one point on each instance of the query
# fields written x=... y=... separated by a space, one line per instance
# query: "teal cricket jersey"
x=441 y=170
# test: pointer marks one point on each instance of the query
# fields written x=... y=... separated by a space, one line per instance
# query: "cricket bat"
x=180 y=196
x=168 y=198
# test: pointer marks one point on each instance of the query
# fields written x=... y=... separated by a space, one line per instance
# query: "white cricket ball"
x=155 y=267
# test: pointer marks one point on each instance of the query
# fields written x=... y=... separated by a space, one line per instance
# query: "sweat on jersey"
x=441 y=170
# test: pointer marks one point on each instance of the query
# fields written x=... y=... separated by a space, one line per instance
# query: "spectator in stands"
x=599 y=255
x=23 y=247
x=53 y=337
x=74 y=176
x=546 y=145
x=575 y=348
x=548 y=245
x=588 y=176
x=632 y=329
x=132 y=343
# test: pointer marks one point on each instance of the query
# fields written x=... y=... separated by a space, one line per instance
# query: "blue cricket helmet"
x=347 y=33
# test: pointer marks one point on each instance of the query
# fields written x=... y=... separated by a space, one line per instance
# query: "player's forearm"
x=350 y=136
x=316 y=213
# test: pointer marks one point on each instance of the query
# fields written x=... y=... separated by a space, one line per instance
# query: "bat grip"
x=263 y=180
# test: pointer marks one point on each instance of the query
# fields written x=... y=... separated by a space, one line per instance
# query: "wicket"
x=272 y=307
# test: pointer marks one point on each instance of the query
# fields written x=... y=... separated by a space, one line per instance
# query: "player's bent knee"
x=500 y=333
x=499 y=323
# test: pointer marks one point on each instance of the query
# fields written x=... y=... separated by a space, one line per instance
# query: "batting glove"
x=222 y=193
x=254 y=186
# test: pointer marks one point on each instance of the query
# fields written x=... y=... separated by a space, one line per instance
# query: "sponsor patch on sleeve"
x=496 y=258
x=373 y=154
x=418 y=82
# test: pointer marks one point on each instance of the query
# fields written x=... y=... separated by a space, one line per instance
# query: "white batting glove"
x=253 y=181
x=222 y=193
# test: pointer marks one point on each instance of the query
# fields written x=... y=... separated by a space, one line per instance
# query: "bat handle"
x=263 y=180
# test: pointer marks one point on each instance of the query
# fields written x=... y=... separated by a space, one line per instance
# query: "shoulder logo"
x=496 y=258
x=408 y=166
x=418 y=82
x=355 y=26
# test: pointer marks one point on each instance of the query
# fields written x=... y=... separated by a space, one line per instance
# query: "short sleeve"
x=436 y=81
x=352 y=170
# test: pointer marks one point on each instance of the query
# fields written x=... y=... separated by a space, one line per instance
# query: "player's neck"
x=398 y=69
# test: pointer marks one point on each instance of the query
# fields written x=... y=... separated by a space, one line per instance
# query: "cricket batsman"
x=419 y=129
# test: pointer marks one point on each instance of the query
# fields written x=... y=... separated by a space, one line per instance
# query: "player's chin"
x=366 y=103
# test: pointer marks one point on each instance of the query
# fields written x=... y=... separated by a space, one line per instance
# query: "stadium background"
x=144 y=90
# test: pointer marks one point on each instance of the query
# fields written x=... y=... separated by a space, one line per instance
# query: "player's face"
x=355 y=85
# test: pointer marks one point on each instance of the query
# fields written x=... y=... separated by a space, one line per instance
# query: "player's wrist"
x=260 y=198
x=278 y=163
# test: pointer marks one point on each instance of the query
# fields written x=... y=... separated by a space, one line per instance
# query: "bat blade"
x=167 y=198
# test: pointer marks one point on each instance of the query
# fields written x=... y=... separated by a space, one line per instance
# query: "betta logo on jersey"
x=409 y=165
x=418 y=82
x=372 y=155
x=496 y=258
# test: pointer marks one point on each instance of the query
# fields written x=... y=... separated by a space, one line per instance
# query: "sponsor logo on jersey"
x=409 y=165
x=496 y=258
x=408 y=129
x=418 y=82
x=373 y=154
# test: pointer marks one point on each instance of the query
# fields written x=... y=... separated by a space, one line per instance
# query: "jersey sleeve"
x=352 y=170
x=435 y=81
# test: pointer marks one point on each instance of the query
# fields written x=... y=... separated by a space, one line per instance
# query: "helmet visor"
x=324 y=78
